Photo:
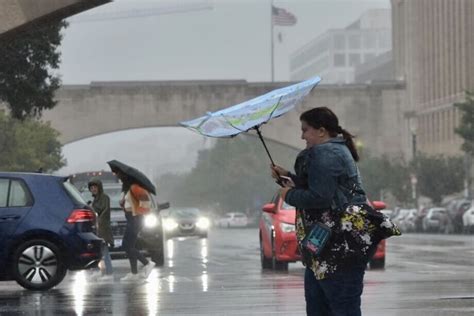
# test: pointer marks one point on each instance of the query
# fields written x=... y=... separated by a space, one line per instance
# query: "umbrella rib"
x=225 y=118
x=274 y=109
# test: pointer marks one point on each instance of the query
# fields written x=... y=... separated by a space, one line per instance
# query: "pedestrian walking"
x=101 y=205
x=326 y=180
x=135 y=202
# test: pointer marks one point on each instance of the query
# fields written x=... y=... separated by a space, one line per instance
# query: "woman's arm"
x=323 y=170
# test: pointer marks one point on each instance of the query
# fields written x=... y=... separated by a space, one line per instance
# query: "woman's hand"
x=278 y=171
x=284 y=191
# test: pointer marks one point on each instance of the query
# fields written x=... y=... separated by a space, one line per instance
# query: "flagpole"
x=272 y=46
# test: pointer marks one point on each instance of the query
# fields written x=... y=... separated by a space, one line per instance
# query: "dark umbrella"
x=135 y=175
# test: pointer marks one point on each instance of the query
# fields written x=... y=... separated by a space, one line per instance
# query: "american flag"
x=282 y=17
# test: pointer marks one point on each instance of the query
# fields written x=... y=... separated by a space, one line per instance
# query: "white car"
x=434 y=219
x=468 y=220
x=236 y=219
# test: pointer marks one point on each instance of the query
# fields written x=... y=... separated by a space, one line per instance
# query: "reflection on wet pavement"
x=221 y=275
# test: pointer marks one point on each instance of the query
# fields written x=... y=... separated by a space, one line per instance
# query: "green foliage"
x=439 y=176
x=27 y=84
x=382 y=175
x=28 y=145
x=234 y=175
x=466 y=126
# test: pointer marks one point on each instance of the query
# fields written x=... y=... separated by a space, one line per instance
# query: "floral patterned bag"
x=355 y=233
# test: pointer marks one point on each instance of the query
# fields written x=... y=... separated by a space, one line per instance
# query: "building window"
x=354 y=60
x=385 y=40
x=370 y=41
x=340 y=42
x=368 y=57
x=339 y=60
x=354 y=41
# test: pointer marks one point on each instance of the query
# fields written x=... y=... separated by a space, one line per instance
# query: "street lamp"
x=413 y=179
x=413 y=122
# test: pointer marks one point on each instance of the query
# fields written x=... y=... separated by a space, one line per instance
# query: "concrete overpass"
x=373 y=112
x=20 y=15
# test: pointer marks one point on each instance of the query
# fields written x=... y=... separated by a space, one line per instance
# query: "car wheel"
x=278 y=265
x=266 y=262
x=38 y=265
x=377 y=263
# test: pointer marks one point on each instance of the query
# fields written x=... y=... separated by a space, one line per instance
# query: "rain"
x=201 y=98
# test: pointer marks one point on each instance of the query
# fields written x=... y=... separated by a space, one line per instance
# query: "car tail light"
x=81 y=216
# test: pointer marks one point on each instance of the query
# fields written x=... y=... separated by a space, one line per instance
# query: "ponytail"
x=349 y=138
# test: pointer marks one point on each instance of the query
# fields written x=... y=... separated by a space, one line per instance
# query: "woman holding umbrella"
x=333 y=284
x=135 y=202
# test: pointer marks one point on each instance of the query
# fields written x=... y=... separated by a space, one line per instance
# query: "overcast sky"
x=229 y=41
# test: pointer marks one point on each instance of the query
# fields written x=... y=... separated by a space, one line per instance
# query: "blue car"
x=46 y=228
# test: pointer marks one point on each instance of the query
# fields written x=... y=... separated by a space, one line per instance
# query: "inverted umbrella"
x=135 y=175
x=253 y=113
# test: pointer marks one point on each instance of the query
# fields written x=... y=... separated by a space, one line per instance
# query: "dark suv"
x=150 y=240
x=46 y=228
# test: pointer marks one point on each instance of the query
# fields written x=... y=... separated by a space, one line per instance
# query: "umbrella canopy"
x=134 y=174
x=253 y=113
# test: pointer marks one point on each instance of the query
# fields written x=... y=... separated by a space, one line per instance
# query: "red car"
x=277 y=235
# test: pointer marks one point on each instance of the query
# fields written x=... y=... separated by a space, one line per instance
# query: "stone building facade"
x=433 y=52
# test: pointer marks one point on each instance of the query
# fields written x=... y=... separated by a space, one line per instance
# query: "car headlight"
x=170 y=224
x=203 y=223
x=287 y=228
x=151 y=220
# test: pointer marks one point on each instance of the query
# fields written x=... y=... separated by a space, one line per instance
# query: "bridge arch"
x=373 y=112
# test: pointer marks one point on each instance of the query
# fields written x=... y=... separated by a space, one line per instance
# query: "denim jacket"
x=328 y=179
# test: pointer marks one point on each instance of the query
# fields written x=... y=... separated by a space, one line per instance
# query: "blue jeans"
x=338 y=295
x=107 y=259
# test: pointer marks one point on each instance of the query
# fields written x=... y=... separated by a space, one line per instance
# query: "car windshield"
x=186 y=212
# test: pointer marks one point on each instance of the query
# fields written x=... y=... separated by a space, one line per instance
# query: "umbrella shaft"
x=264 y=145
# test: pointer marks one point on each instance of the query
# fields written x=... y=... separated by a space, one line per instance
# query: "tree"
x=439 y=176
x=28 y=145
x=234 y=174
x=27 y=84
x=466 y=126
x=382 y=175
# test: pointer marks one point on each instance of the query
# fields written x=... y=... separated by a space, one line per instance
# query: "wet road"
x=221 y=275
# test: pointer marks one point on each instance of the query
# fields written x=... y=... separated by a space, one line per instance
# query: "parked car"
x=232 y=220
x=185 y=222
x=402 y=213
x=277 y=236
x=420 y=215
x=468 y=220
x=456 y=209
x=389 y=213
x=435 y=220
x=407 y=224
x=46 y=228
x=151 y=238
